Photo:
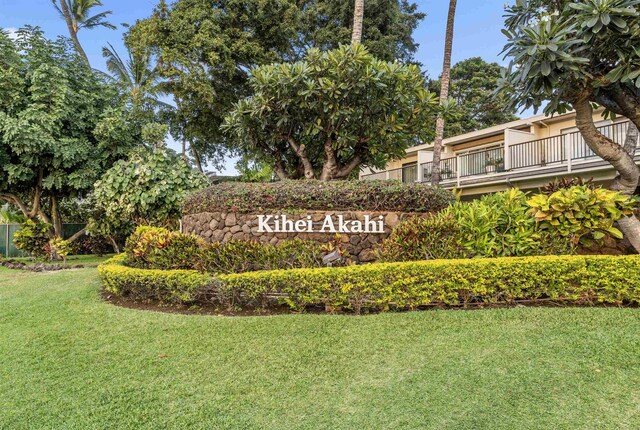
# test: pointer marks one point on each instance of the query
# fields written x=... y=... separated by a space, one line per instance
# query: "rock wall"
x=226 y=226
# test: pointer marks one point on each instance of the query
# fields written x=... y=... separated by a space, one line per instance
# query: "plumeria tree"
x=574 y=55
x=331 y=114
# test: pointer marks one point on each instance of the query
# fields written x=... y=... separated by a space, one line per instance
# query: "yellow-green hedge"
x=384 y=286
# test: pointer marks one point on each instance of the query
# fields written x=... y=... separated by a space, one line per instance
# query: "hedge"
x=318 y=195
x=387 y=286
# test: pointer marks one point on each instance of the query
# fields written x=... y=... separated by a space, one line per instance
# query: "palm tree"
x=444 y=94
x=76 y=15
x=358 y=18
x=136 y=75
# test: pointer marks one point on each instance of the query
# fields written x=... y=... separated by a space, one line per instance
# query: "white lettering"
x=328 y=224
x=263 y=227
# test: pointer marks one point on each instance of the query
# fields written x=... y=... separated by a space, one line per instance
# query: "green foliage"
x=423 y=238
x=559 y=184
x=331 y=113
x=387 y=27
x=205 y=50
x=8 y=215
x=568 y=49
x=146 y=189
x=582 y=213
x=158 y=248
x=317 y=195
x=500 y=225
x=388 y=286
x=33 y=238
x=58 y=248
x=254 y=171
x=58 y=120
x=473 y=86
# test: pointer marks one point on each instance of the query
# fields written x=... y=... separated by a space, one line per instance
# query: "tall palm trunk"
x=444 y=93
x=73 y=32
x=358 y=18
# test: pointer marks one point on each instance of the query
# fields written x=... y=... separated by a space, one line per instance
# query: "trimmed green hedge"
x=385 y=286
x=318 y=195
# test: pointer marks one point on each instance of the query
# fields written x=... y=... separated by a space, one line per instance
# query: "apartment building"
x=526 y=153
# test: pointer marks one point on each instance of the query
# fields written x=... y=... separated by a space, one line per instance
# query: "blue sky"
x=477 y=28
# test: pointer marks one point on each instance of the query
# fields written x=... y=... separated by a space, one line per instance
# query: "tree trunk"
x=444 y=93
x=358 y=19
x=72 y=30
x=301 y=152
x=55 y=217
x=618 y=157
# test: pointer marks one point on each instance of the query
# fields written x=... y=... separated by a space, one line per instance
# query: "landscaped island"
x=505 y=248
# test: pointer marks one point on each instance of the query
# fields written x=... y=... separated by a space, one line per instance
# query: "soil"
x=210 y=309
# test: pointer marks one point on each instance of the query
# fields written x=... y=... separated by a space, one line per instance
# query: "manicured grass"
x=70 y=361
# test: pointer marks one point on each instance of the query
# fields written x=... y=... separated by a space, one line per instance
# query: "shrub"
x=319 y=195
x=423 y=238
x=500 y=225
x=560 y=184
x=158 y=248
x=581 y=212
x=388 y=286
x=33 y=238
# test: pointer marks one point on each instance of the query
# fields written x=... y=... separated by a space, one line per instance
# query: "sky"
x=477 y=30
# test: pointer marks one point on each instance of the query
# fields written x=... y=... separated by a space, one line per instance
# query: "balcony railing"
x=564 y=150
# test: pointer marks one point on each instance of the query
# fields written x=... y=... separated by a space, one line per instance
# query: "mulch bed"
x=210 y=309
x=38 y=267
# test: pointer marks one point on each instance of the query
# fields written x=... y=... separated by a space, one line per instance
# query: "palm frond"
x=98 y=20
x=117 y=67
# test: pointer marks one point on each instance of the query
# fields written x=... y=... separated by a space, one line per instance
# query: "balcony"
x=555 y=155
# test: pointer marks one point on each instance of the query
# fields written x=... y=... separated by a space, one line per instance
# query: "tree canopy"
x=575 y=54
x=206 y=49
x=332 y=113
x=473 y=86
x=61 y=125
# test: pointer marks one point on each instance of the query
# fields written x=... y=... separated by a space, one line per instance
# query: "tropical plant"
x=146 y=189
x=33 y=238
x=61 y=126
x=444 y=93
x=472 y=87
x=331 y=114
x=8 y=215
x=501 y=225
x=77 y=15
x=206 y=49
x=562 y=183
x=423 y=238
x=582 y=212
x=571 y=55
x=137 y=75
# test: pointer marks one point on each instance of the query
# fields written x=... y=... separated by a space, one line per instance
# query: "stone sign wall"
x=360 y=232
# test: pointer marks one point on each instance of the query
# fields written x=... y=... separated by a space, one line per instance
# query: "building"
x=526 y=153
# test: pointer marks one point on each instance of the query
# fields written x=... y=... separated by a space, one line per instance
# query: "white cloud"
x=12 y=32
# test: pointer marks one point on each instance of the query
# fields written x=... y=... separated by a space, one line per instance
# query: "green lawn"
x=70 y=361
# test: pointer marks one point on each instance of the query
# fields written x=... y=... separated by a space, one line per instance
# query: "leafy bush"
x=319 y=195
x=423 y=238
x=500 y=225
x=57 y=248
x=33 y=238
x=158 y=248
x=582 y=213
x=147 y=189
x=386 y=286
x=559 y=184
